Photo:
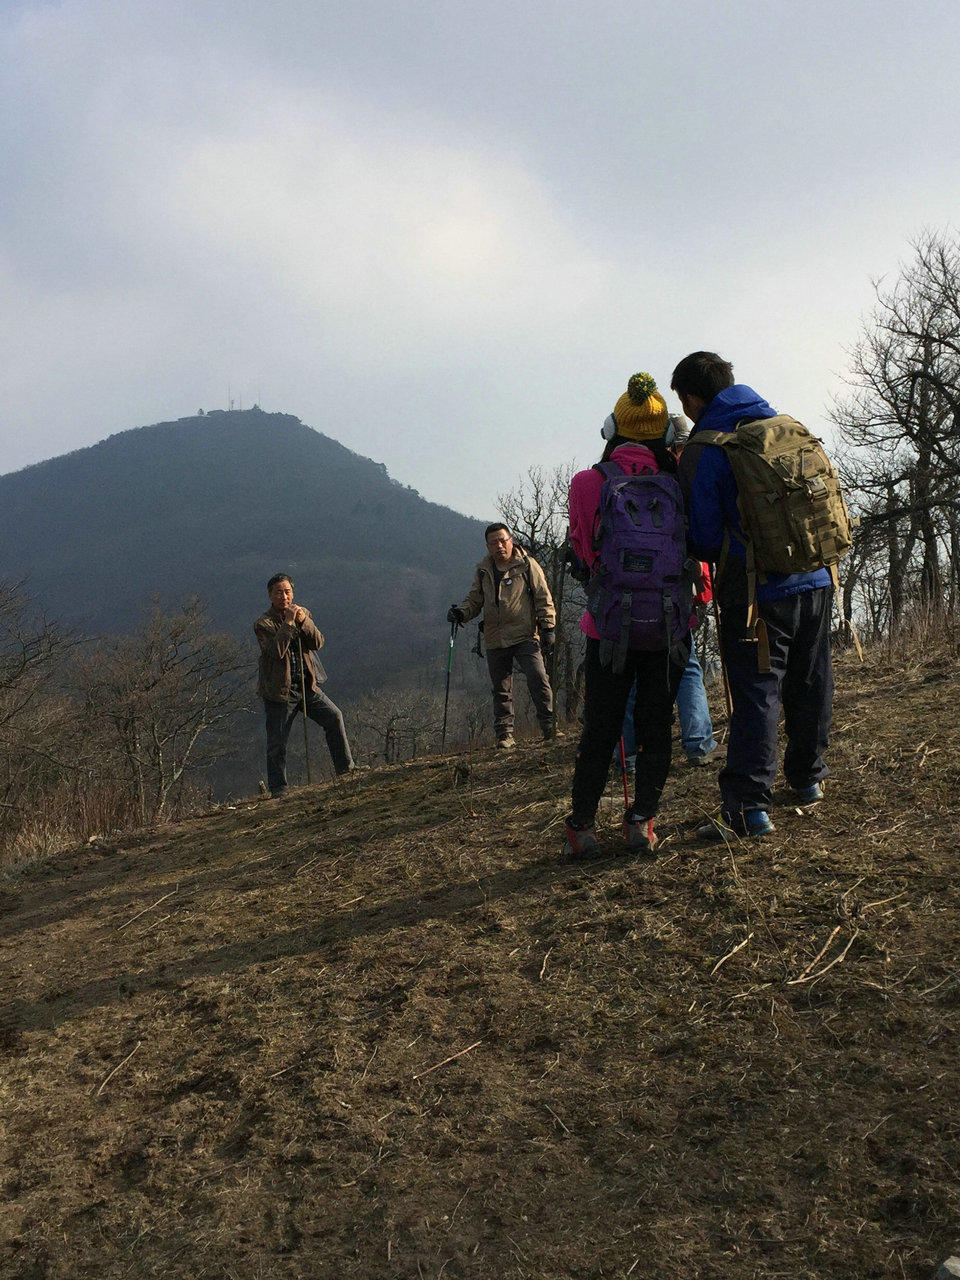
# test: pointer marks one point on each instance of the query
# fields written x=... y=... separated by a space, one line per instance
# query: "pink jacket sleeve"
x=584 y=509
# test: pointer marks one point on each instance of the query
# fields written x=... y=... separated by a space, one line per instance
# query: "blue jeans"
x=696 y=731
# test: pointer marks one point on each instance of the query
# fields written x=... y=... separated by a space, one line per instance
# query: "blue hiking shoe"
x=755 y=824
x=808 y=795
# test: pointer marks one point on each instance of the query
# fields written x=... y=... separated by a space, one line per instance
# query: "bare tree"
x=396 y=724
x=159 y=696
x=901 y=428
x=36 y=750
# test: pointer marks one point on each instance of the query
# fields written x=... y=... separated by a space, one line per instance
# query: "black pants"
x=658 y=677
x=529 y=659
x=800 y=678
x=280 y=718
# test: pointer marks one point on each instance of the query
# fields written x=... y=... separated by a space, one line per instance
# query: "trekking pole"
x=555 y=661
x=623 y=770
x=446 y=696
x=723 y=666
x=303 y=707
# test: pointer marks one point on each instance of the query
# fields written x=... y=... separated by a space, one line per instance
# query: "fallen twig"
x=146 y=909
x=154 y=925
x=836 y=960
x=117 y=1068
x=939 y=984
x=437 y=1065
x=887 y=830
x=882 y=901
x=819 y=954
x=738 y=947
x=557 y=1118
x=543 y=967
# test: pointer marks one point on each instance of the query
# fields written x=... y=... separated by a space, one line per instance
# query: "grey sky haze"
x=446 y=234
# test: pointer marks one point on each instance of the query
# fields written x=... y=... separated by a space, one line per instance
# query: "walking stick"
x=555 y=660
x=623 y=770
x=446 y=696
x=303 y=695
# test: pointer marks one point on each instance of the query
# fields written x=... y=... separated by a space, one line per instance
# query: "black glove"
x=548 y=639
x=578 y=570
x=455 y=614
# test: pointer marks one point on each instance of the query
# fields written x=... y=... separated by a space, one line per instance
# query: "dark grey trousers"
x=800 y=680
x=280 y=718
x=527 y=656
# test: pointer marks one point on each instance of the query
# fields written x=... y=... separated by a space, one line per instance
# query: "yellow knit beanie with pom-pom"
x=641 y=412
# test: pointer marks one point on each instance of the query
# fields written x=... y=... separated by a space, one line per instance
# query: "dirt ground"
x=380 y=1029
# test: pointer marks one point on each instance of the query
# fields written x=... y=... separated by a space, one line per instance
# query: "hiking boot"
x=278 y=794
x=580 y=843
x=549 y=732
x=698 y=761
x=506 y=743
x=808 y=795
x=755 y=824
x=638 y=833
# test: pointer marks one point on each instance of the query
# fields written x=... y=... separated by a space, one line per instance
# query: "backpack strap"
x=711 y=437
x=668 y=628
x=756 y=627
x=623 y=644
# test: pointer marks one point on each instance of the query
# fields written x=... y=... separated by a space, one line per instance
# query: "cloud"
x=392 y=238
x=449 y=253
x=269 y=233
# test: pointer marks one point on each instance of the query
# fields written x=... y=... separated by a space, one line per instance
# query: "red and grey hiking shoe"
x=580 y=843
x=638 y=833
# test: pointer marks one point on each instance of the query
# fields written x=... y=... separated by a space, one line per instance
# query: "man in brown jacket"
x=288 y=679
x=511 y=591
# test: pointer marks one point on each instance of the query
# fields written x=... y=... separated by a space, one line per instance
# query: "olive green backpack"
x=791 y=505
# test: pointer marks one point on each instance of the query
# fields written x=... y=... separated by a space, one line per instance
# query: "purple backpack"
x=640 y=594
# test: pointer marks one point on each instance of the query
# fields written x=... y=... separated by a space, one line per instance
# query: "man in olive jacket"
x=511 y=591
x=289 y=679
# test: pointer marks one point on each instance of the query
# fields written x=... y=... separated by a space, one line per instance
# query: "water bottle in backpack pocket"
x=641 y=590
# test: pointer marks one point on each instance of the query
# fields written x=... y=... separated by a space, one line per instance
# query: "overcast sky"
x=447 y=233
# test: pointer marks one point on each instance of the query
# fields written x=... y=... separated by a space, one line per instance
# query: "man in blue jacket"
x=794 y=607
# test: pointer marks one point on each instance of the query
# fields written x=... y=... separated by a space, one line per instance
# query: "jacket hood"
x=634 y=459
x=738 y=403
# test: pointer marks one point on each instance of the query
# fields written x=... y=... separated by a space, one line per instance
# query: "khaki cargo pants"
x=527 y=656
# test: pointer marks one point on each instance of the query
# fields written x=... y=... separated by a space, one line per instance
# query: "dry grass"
x=380 y=1030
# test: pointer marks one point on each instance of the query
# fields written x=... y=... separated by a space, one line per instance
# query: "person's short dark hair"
x=492 y=528
x=278 y=577
x=703 y=374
